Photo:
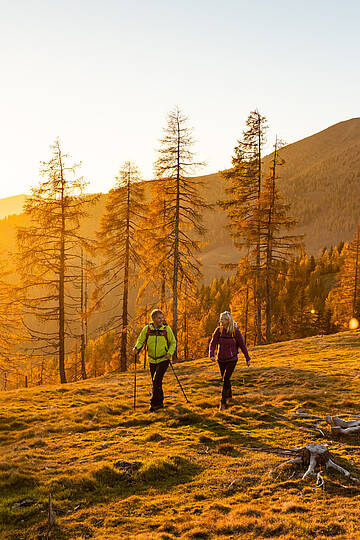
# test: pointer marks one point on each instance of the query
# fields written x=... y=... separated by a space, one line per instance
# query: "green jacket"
x=157 y=346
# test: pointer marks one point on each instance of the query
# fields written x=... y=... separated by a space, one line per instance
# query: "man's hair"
x=155 y=312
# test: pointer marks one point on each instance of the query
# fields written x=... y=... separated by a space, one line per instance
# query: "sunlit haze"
x=103 y=75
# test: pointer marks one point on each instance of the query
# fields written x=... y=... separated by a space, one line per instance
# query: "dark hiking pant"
x=226 y=370
x=157 y=374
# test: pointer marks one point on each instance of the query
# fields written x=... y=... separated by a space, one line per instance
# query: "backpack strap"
x=165 y=335
x=148 y=330
x=164 y=331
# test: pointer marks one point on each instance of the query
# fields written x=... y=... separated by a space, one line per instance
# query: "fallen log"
x=343 y=427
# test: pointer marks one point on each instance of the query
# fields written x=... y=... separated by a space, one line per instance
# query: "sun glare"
x=353 y=324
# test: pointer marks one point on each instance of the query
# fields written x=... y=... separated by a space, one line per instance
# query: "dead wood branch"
x=343 y=427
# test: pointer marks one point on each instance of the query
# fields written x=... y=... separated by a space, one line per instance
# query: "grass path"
x=116 y=473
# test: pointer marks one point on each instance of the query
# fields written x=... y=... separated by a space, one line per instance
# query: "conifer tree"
x=243 y=200
x=182 y=204
x=275 y=244
x=153 y=240
x=242 y=297
x=344 y=299
x=11 y=332
x=83 y=310
x=47 y=258
x=117 y=242
x=10 y=314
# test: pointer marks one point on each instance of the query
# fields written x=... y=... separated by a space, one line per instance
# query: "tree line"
x=60 y=278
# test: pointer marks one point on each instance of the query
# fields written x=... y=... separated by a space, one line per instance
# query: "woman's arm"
x=241 y=343
x=214 y=342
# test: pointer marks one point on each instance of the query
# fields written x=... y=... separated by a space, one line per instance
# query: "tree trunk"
x=186 y=331
x=42 y=372
x=269 y=250
x=255 y=310
x=163 y=280
x=123 y=347
x=83 y=341
x=176 y=244
x=355 y=299
x=75 y=363
x=145 y=323
x=246 y=313
x=259 y=339
x=62 y=283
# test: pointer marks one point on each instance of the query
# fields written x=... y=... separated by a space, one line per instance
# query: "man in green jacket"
x=161 y=344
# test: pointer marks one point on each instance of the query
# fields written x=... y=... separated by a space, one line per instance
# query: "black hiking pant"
x=157 y=374
x=226 y=370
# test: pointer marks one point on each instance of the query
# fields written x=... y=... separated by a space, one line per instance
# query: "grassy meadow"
x=183 y=472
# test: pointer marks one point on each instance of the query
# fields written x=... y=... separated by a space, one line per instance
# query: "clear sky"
x=103 y=74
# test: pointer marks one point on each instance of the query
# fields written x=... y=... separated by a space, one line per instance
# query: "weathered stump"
x=51 y=514
x=317 y=456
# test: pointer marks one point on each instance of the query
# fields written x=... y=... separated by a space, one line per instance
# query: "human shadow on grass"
x=283 y=377
x=185 y=417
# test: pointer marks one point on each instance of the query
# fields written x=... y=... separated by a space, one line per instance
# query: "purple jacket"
x=227 y=345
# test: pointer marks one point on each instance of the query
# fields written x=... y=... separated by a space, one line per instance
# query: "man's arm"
x=171 y=340
x=141 y=339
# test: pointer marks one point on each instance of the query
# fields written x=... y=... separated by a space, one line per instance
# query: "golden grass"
x=116 y=473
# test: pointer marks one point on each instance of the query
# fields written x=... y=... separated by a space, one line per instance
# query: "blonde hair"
x=232 y=325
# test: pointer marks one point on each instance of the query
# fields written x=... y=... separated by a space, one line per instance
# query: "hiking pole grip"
x=172 y=367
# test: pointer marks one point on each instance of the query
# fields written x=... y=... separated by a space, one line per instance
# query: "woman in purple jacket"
x=227 y=340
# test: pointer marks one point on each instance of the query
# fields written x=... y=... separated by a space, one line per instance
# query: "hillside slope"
x=11 y=205
x=321 y=181
x=184 y=472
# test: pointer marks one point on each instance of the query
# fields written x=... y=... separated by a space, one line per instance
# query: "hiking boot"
x=222 y=406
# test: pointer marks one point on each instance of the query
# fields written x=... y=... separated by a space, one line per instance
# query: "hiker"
x=161 y=344
x=227 y=340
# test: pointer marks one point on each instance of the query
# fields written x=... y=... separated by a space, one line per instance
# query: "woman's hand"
x=135 y=350
x=212 y=358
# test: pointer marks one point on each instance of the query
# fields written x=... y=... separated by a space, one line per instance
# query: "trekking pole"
x=177 y=378
x=135 y=381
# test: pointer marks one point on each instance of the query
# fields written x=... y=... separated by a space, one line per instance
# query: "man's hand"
x=135 y=350
x=212 y=358
x=168 y=356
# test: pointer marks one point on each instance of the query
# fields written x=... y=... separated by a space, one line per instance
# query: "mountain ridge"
x=320 y=180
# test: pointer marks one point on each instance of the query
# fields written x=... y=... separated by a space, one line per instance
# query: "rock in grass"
x=24 y=502
x=129 y=466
